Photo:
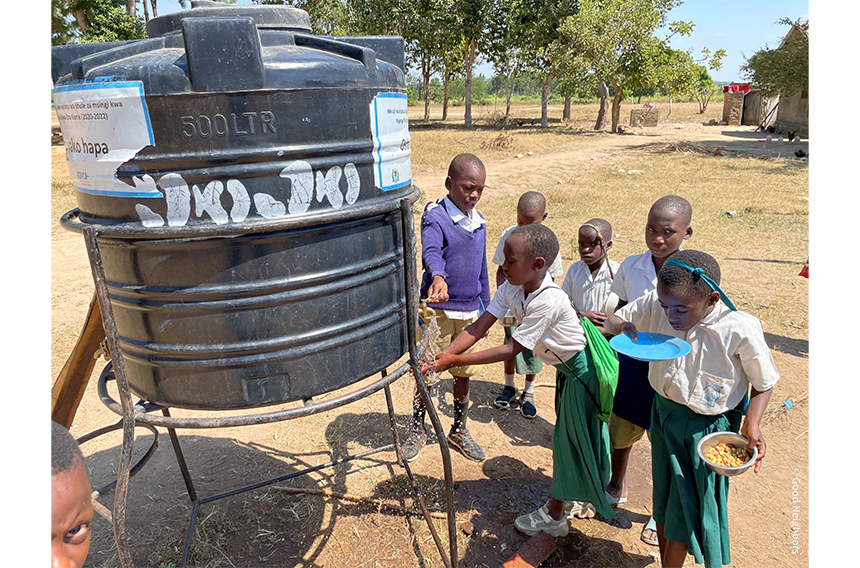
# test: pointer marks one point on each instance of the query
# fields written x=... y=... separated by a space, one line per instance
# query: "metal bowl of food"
x=726 y=453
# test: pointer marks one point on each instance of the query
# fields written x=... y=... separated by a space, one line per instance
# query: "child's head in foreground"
x=465 y=181
x=684 y=294
x=71 y=504
x=595 y=240
x=529 y=252
x=531 y=208
x=669 y=225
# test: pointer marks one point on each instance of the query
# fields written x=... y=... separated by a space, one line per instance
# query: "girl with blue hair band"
x=728 y=372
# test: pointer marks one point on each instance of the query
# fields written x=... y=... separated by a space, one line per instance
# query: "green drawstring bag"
x=605 y=366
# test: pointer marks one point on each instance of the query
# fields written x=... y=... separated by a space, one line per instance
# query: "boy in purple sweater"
x=455 y=281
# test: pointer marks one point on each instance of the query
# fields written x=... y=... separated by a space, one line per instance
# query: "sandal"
x=651 y=525
x=539 y=520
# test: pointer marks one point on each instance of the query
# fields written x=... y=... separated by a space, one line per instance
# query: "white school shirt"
x=635 y=277
x=547 y=322
x=555 y=269
x=728 y=353
x=589 y=294
x=471 y=222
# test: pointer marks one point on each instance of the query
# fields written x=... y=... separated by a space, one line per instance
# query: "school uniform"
x=453 y=245
x=580 y=446
x=525 y=363
x=700 y=393
x=589 y=293
x=635 y=277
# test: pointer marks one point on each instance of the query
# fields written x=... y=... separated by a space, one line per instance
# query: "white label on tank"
x=104 y=125
x=389 y=125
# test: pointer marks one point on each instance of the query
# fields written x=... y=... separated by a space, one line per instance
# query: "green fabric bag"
x=605 y=365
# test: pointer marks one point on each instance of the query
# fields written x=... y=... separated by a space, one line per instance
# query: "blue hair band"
x=701 y=273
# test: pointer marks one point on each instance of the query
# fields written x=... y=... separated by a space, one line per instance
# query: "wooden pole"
x=68 y=389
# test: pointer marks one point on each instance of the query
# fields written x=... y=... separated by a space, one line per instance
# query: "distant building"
x=793 y=111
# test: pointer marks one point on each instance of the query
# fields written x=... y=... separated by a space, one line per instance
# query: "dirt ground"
x=274 y=527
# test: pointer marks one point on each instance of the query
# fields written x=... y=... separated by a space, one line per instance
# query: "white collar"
x=471 y=222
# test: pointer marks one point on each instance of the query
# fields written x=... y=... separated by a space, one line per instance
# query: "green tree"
x=63 y=27
x=614 y=40
x=783 y=71
x=328 y=17
x=538 y=25
x=107 y=20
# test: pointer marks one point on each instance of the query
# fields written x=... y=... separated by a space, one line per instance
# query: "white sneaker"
x=539 y=520
x=580 y=510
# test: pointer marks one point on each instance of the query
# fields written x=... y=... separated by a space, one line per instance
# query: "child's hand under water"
x=442 y=362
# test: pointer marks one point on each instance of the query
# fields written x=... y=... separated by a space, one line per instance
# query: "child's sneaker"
x=466 y=445
x=503 y=401
x=539 y=520
x=527 y=405
x=580 y=510
x=416 y=440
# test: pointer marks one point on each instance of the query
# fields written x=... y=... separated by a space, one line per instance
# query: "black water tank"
x=245 y=177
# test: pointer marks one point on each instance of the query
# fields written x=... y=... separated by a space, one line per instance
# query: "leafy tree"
x=783 y=71
x=328 y=17
x=614 y=40
x=107 y=20
x=538 y=25
x=63 y=28
x=472 y=23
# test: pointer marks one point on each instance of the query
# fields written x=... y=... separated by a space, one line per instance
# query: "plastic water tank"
x=245 y=177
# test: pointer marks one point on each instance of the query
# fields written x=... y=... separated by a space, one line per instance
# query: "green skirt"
x=580 y=442
x=690 y=500
x=525 y=363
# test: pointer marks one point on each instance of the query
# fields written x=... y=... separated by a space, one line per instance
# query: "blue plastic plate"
x=650 y=347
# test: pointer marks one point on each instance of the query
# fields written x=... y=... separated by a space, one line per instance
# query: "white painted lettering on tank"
x=209 y=201
x=269 y=207
x=353 y=183
x=328 y=186
x=178 y=199
x=301 y=178
x=148 y=217
x=241 y=200
x=304 y=183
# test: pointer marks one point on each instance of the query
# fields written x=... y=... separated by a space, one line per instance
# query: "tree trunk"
x=604 y=106
x=616 y=106
x=670 y=109
x=446 y=82
x=565 y=115
x=154 y=8
x=511 y=93
x=131 y=7
x=425 y=71
x=81 y=18
x=145 y=11
x=468 y=63
x=544 y=101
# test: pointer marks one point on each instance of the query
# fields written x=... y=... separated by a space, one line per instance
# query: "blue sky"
x=741 y=27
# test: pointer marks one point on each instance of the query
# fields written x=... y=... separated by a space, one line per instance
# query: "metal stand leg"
x=125 y=463
x=412 y=326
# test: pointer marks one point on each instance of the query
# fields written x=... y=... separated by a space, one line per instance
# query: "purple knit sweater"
x=451 y=251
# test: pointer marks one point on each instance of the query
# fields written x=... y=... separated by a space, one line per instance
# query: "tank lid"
x=287 y=18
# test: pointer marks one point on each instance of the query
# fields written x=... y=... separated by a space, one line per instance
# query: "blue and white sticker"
x=104 y=125
x=392 y=145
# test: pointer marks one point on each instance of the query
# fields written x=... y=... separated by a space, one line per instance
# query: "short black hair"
x=675 y=204
x=603 y=227
x=462 y=161
x=539 y=241
x=65 y=453
x=674 y=277
x=532 y=202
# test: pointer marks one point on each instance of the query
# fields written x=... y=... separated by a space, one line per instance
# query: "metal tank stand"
x=145 y=414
